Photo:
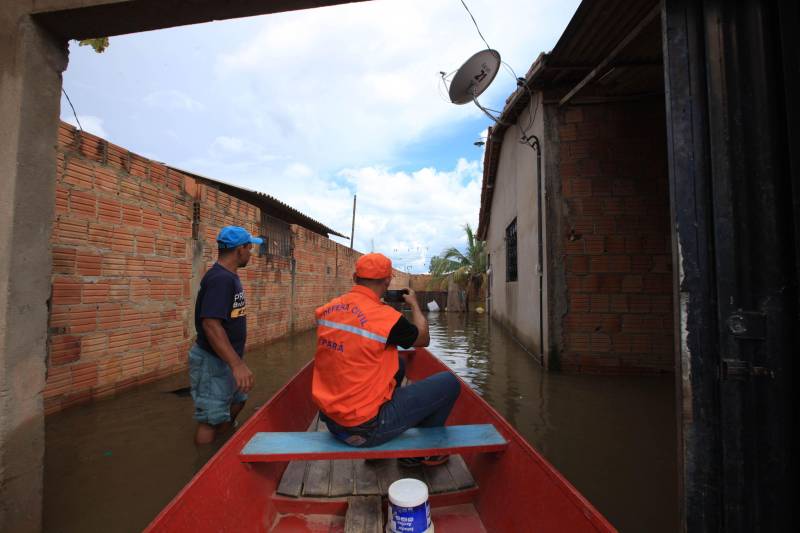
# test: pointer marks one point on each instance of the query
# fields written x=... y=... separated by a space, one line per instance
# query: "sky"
x=315 y=106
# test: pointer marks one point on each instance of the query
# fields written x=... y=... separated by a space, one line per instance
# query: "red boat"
x=513 y=490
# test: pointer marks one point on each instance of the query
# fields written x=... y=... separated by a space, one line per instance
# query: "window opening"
x=511 y=251
x=277 y=237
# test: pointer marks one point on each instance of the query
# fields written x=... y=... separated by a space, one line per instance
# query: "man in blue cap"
x=219 y=377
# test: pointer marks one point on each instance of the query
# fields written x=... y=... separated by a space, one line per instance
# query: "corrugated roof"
x=596 y=29
x=272 y=205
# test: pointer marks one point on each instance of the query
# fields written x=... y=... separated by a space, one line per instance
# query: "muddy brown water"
x=112 y=465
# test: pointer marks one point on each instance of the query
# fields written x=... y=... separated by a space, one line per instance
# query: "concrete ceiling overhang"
x=611 y=50
x=76 y=19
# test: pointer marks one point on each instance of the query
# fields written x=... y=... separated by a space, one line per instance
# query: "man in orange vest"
x=357 y=370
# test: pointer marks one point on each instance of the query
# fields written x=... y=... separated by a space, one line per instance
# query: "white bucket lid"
x=408 y=492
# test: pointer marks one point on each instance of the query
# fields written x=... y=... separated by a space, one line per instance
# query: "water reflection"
x=613 y=437
x=112 y=465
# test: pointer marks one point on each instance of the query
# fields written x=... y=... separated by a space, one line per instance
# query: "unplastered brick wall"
x=121 y=271
x=127 y=266
x=617 y=252
x=324 y=270
x=266 y=281
x=281 y=292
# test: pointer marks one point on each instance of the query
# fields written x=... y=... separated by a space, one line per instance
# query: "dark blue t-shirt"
x=221 y=296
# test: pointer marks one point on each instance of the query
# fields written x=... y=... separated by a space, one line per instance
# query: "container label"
x=410 y=519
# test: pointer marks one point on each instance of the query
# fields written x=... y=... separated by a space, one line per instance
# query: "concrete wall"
x=126 y=270
x=516 y=304
x=31 y=63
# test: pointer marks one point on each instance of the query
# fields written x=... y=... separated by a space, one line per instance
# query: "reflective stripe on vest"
x=352 y=329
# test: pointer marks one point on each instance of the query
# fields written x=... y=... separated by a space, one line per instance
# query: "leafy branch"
x=99 y=44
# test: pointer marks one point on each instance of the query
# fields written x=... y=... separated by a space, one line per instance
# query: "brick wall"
x=617 y=251
x=266 y=280
x=126 y=269
x=121 y=271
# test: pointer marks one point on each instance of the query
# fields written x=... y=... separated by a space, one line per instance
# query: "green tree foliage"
x=100 y=44
x=465 y=269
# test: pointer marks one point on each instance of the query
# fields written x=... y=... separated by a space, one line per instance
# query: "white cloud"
x=229 y=144
x=407 y=216
x=349 y=87
x=237 y=147
x=359 y=82
x=412 y=216
x=173 y=99
x=316 y=105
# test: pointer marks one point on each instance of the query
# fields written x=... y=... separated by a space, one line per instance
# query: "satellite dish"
x=474 y=76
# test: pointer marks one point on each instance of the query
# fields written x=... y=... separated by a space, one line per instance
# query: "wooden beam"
x=655 y=12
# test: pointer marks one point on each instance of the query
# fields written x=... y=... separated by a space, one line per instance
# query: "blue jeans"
x=425 y=403
x=214 y=389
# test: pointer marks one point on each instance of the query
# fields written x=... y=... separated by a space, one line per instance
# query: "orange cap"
x=374 y=266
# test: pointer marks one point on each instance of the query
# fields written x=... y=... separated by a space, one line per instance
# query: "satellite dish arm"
x=486 y=111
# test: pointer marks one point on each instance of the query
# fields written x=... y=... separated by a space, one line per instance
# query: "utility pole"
x=353 y=227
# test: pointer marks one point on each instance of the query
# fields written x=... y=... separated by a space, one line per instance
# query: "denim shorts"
x=213 y=387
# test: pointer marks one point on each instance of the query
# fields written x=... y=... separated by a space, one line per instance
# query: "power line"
x=73 y=109
x=474 y=22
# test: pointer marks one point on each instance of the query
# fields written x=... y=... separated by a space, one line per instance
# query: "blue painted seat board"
x=281 y=446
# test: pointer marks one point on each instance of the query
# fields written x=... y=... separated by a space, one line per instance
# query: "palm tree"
x=467 y=270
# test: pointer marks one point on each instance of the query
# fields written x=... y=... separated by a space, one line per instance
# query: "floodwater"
x=111 y=466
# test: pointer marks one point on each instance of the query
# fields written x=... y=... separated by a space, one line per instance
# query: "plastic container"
x=409 y=511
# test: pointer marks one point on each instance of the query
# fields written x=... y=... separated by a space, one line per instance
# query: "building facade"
x=575 y=206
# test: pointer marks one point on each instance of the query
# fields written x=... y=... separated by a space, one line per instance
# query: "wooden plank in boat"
x=366 y=474
x=342 y=482
x=318 y=473
x=314 y=423
x=364 y=515
x=318 y=478
x=291 y=483
x=292 y=480
x=388 y=473
x=439 y=478
x=416 y=472
x=460 y=473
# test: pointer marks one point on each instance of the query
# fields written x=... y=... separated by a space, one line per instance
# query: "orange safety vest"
x=354 y=368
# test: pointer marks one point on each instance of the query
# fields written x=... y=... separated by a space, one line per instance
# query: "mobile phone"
x=394 y=295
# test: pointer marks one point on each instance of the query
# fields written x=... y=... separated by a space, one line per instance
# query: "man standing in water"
x=220 y=379
x=358 y=372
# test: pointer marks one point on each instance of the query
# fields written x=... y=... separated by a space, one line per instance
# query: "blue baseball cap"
x=233 y=236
